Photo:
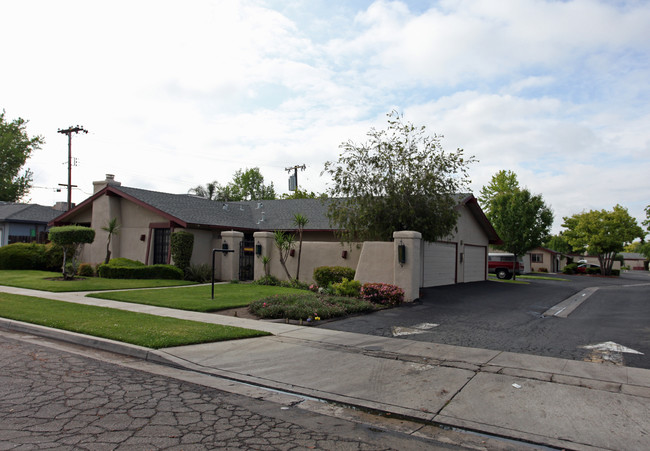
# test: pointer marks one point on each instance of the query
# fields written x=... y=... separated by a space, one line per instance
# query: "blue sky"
x=176 y=94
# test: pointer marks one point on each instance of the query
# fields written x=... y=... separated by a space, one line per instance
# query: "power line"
x=69 y=131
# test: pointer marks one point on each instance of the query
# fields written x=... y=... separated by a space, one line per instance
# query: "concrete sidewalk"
x=556 y=402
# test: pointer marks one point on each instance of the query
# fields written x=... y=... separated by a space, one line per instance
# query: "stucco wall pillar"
x=266 y=240
x=408 y=273
x=230 y=260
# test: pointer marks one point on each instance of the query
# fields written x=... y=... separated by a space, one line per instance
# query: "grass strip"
x=141 y=329
x=198 y=298
x=557 y=279
x=493 y=278
x=43 y=280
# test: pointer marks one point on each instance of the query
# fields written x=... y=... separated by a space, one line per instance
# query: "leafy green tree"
x=502 y=182
x=245 y=185
x=521 y=220
x=299 y=221
x=646 y=222
x=15 y=148
x=603 y=233
x=71 y=238
x=249 y=185
x=112 y=228
x=399 y=179
x=299 y=194
x=558 y=243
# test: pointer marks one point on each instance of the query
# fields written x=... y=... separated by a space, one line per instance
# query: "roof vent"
x=259 y=205
x=225 y=207
x=261 y=220
x=241 y=207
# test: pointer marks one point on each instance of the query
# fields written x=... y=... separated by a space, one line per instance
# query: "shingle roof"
x=265 y=215
x=27 y=213
x=250 y=215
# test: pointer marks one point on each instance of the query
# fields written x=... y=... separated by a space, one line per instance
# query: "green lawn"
x=198 y=298
x=141 y=329
x=42 y=280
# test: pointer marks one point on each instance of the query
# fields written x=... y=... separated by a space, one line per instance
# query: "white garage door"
x=439 y=264
x=475 y=265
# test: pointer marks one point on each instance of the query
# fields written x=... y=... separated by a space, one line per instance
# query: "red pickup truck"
x=504 y=265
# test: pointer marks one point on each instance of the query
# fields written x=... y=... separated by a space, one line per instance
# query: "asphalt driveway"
x=509 y=317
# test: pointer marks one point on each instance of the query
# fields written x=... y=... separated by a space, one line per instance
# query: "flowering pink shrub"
x=382 y=293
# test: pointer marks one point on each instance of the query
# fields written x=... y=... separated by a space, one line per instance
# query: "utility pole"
x=69 y=131
x=293 y=179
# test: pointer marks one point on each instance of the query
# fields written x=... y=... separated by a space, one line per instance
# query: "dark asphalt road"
x=508 y=317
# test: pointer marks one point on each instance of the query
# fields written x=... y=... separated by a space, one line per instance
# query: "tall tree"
x=521 y=220
x=245 y=185
x=399 y=179
x=209 y=191
x=558 y=243
x=15 y=148
x=249 y=185
x=502 y=182
x=603 y=233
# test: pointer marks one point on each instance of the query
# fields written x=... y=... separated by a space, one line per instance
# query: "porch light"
x=401 y=253
x=344 y=254
x=258 y=249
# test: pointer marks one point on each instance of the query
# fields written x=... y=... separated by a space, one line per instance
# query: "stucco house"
x=24 y=223
x=635 y=261
x=544 y=259
x=147 y=219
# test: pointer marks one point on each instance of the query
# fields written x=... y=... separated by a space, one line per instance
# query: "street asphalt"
x=555 y=402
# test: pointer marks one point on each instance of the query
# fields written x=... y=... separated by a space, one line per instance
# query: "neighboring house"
x=24 y=223
x=545 y=260
x=147 y=219
x=635 y=261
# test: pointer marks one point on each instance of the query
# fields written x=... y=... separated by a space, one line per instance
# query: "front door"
x=161 y=246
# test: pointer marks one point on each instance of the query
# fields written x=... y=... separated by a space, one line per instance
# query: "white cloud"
x=179 y=94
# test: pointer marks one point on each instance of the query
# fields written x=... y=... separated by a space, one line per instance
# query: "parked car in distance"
x=583 y=268
x=504 y=266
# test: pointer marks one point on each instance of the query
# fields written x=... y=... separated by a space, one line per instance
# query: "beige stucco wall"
x=376 y=262
x=314 y=254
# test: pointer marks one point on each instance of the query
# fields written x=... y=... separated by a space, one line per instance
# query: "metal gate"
x=246 y=260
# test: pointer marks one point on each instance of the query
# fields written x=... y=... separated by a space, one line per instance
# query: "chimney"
x=101 y=184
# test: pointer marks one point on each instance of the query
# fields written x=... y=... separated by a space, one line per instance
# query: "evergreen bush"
x=22 y=256
x=326 y=275
x=182 y=245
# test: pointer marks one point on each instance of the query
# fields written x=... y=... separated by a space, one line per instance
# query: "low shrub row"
x=308 y=306
x=43 y=257
x=122 y=268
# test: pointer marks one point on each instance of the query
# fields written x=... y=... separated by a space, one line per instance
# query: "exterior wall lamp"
x=401 y=253
x=258 y=249
x=344 y=254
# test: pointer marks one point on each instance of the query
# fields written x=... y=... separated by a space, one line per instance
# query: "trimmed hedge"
x=44 y=257
x=326 y=275
x=22 y=256
x=71 y=235
x=139 y=272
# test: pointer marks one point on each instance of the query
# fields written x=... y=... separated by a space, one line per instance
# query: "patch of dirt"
x=240 y=312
